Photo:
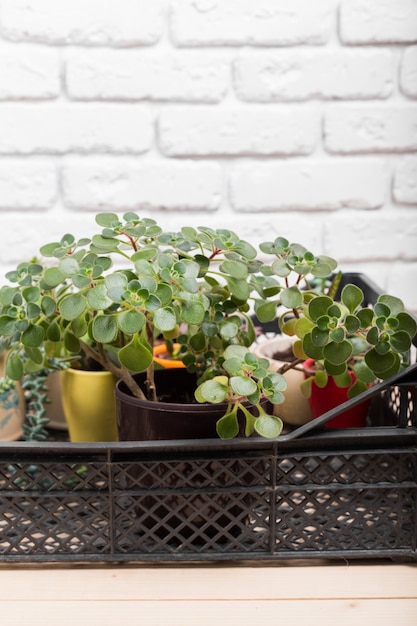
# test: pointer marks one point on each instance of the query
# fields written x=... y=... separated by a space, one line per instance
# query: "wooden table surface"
x=291 y=593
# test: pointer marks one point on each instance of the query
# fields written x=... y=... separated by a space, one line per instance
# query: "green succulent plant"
x=110 y=296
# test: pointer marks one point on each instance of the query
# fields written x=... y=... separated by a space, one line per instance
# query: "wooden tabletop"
x=292 y=593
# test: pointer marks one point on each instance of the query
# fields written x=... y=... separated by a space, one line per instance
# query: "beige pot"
x=54 y=409
x=12 y=409
x=12 y=413
x=295 y=410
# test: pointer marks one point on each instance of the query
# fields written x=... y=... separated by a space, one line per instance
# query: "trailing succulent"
x=199 y=287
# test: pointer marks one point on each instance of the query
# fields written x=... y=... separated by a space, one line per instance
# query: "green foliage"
x=110 y=295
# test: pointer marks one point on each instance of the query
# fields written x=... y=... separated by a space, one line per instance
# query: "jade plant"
x=111 y=296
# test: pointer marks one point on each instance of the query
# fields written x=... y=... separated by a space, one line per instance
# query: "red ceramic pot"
x=323 y=399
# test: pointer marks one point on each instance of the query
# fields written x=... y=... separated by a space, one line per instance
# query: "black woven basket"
x=314 y=492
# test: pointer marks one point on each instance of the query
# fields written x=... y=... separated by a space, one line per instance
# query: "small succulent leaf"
x=236 y=269
x=372 y=336
x=213 y=391
x=319 y=306
x=165 y=319
x=135 y=356
x=7 y=325
x=268 y=426
x=400 y=341
x=309 y=348
x=239 y=288
x=334 y=370
x=235 y=351
x=98 y=299
x=407 y=323
x=227 y=426
x=363 y=372
x=53 y=332
x=107 y=220
x=338 y=335
x=130 y=322
x=69 y=266
x=303 y=326
x=33 y=336
x=79 y=326
x=14 y=367
x=198 y=341
x=394 y=304
x=352 y=297
x=242 y=385
x=379 y=363
x=52 y=277
x=72 y=306
x=319 y=337
x=365 y=317
x=48 y=306
x=357 y=388
x=229 y=329
x=352 y=323
x=321 y=378
x=232 y=366
x=265 y=311
x=104 y=328
x=71 y=342
x=343 y=380
x=291 y=297
x=35 y=355
x=337 y=353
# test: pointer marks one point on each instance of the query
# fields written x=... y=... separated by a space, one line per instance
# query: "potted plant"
x=111 y=297
x=342 y=345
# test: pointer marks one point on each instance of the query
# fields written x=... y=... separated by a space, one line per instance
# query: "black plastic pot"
x=176 y=416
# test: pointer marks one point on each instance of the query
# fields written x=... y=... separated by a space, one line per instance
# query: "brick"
x=109 y=183
x=303 y=74
x=371 y=236
x=408 y=72
x=28 y=72
x=241 y=22
x=378 y=21
x=405 y=181
x=400 y=280
x=96 y=22
x=131 y=75
x=61 y=128
x=206 y=131
x=355 y=129
x=308 y=185
x=27 y=184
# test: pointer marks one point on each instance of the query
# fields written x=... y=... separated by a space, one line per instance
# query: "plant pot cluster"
x=195 y=289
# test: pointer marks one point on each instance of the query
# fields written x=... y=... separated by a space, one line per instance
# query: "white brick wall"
x=270 y=117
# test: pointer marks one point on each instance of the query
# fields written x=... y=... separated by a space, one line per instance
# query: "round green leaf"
x=131 y=322
x=352 y=297
x=165 y=319
x=243 y=386
x=14 y=367
x=33 y=336
x=52 y=278
x=291 y=298
x=72 y=306
x=227 y=426
x=213 y=391
x=104 y=328
x=135 y=356
x=337 y=353
x=268 y=426
x=98 y=299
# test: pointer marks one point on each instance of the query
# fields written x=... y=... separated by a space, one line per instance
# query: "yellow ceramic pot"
x=89 y=405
